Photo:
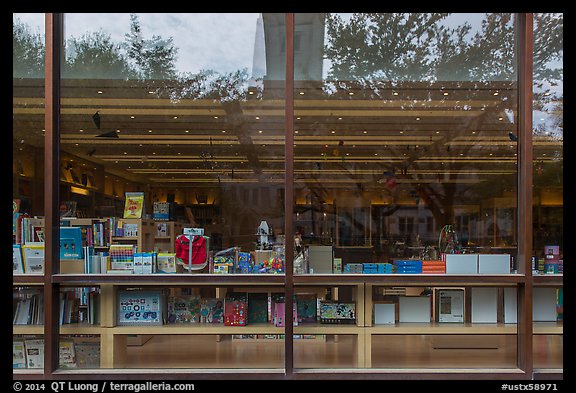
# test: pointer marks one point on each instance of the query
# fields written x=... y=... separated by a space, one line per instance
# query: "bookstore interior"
x=394 y=180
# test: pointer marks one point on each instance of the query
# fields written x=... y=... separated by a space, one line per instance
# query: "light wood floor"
x=388 y=351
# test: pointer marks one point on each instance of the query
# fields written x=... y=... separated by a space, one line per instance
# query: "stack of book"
x=353 y=268
x=408 y=266
x=434 y=267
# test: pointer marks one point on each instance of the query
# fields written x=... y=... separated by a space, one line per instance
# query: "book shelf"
x=165 y=234
x=364 y=338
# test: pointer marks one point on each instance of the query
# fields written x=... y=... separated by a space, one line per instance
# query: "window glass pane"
x=548 y=174
x=28 y=50
x=405 y=151
x=188 y=110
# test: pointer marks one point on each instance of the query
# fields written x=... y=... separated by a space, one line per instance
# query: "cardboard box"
x=484 y=305
x=72 y=266
x=320 y=259
x=494 y=263
x=414 y=309
x=462 y=264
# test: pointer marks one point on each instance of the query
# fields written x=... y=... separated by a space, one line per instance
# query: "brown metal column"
x=289 y=196
x=525 y=56
x=51 y=188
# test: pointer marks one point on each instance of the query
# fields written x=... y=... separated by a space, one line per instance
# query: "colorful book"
x=257 y=308
x=18 y=354
x=33 y=258
x=134 y=205
x=235 y=308
x=166 y=262
x=306 y=308
x=67 y=354
x=87 y=352
x=212 y=310
x=333 y=312
x=184 y=309
x=34 y=353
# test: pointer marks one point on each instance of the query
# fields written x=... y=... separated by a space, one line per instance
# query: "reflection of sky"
x=222 y=42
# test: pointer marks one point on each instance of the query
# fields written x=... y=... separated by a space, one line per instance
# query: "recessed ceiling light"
x=223 y=131
x=301 y=93
x=365 y=132
x=257 y=117
x=333 y=132
x=125 y=153
x=437 y=132
x=500 y=118
x=351 y=93
x=132 y=117
x=117 y=130
x=461 y=154
x=395 y=93
x=259 y=131
x=490 y=154
x=325 y=145
x=100 y=92
x=186 y=130
x=401 y=132
x=77 y=144
x=150 y=92
x=445 y=93
x=78 y=130
x=140 y=145
x=417 y=118
x=153 y=153
x=179 y=153
x=473 y=132
x=116 y=162
x=175 y=117
x=298 y=118
x=375 y=154
x=250 y=92
x=496 y=93
x=215 y=117
x=347 y=154
x=339 y=118
x=295 y=131
x=149 y=130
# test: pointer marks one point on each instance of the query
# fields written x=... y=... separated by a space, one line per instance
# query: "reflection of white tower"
x=259 y=59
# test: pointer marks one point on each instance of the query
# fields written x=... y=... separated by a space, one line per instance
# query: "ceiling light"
x=339 y=118
x=295 y=131
x=365 y=132
x=351 y=93
x=333 y=132
x=496 y=93
x=150 y=92
x=437 y=132
x=301 y=93
x=132 y=117
x=260 y=131
x=117 y=130
x=257 y=117
x=445 y=93
x=417 y=118
x=100 y=92
x=298 y=118
x=250 y=92
x=186 y=130
x=78 y=130
x=401 y=132
x=215 y=117
x=175 y=117
x=500 y=118
x=224 y=131
x=395 y=93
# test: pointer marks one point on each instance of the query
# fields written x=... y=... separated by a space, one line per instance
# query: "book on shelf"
x=33 y=258
x=141 y=307
x=306 y=305
x=133 y=205
x=279 y=317
x=71 y=243
x=17 y=262
x=212 y=310
x=166 y=262
x=335 y=312
x=18 y=354
x=34 y=353
x=235 y=308
x=87 y=351
x=121 y=257
x=257 y=308
x=66 y=354
x=27 y=307
x=450 y=305
x=184 y=309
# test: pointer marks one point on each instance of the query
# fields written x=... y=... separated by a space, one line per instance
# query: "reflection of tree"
x=28 y=51
x=378 y=51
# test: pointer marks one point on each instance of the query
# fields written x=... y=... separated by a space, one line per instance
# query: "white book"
x=147 y=263
x=138 y=263
x=66 y=354
x=34 y=353
x=18 y=354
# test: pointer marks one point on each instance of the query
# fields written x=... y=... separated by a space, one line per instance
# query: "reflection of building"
x=308 y=46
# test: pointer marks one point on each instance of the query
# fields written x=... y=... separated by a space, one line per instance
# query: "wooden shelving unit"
x=114 y=338
x=166 y=243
